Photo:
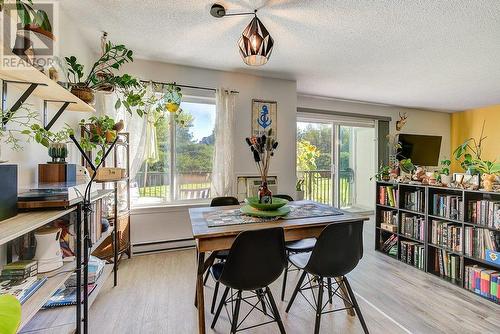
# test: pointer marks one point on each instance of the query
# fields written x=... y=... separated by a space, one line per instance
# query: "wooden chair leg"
x=297 y=288
x=319 y=306
x=276 y=313
x=283 y=287
x=355 y=304
x=234 y=322
x=214 y=298
x=221 y=305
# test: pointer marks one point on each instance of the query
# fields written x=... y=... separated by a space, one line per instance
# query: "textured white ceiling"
x=432 y=54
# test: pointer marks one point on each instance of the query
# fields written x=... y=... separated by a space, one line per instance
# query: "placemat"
x=226 y=217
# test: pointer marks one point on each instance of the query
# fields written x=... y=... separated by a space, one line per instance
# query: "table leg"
x=343 y=292
x=200 y=301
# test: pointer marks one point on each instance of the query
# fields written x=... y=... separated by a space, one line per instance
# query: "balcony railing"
x=318 y=186
x=196 y=185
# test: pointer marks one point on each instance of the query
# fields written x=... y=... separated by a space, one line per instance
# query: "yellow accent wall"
x=468 y=124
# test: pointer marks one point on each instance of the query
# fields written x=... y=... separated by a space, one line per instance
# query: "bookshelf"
x=446 y=229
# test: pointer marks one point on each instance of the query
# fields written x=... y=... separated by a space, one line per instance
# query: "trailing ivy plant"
x=469 y=152
x=17 y=124
x=46 y=137
x=102 y=131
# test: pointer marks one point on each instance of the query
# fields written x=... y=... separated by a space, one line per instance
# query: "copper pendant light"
x=255 y=44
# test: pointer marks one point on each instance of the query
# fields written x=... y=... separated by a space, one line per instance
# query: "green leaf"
x=10 y=314
x=118 y=104
x=26 y=132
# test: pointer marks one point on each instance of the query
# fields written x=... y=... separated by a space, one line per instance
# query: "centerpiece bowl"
x=275 y=205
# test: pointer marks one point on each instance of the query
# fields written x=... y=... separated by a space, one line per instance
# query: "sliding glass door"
x=336 y=159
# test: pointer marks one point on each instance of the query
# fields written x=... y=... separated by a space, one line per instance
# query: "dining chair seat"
x=304 y=245
x=300 y=260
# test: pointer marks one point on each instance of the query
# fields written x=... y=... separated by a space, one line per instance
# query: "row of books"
x=390 y=245
x=414 y=200
x=478 y=240
x=19 y=270
x=447 y=235
x=447 y=265
x=484 y=212
x=412 y=253
x=447 y=206
x=412 y=226
x=482 y=281
x=389 y=220
x=388 y=195
x=22 y=289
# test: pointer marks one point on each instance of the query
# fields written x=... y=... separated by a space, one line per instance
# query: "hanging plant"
x=102 y=131
x=21 y=120
x=172 y=97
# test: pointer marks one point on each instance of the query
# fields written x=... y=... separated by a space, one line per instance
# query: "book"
x=412 y=226
x=388 y=195
x=482 y=281
x=65 y=296
x=447 y=235
x=447 y=206
x=22 y=289
x=484 y=213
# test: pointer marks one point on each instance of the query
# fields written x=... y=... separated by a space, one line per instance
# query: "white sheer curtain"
x=222 y=170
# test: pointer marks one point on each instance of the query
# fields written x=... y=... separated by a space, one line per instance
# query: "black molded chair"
x=294 y=247
x=338 y=250
x=255 y=260
x=221 y=255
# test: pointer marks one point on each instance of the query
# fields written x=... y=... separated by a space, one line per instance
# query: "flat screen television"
x=422 y=150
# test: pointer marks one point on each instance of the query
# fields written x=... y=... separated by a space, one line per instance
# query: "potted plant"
x=56 y=142
x=383 y=174
x=21 y=119
x=172 y=97
x=489 y=171
x=444 y=173
x=469 y=151
x=102 y=74
x=102 y=131
x=299 y=189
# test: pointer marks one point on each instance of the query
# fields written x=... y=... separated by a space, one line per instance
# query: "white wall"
x=169 y=223
x=419 y=121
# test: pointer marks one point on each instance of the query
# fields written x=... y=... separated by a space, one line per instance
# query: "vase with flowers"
x=262 y=148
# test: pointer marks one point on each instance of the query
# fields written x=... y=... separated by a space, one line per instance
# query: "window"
x=183 y=170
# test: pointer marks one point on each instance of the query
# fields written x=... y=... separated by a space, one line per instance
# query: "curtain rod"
x=187 y=86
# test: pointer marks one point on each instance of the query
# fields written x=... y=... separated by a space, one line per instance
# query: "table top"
x=201 y=230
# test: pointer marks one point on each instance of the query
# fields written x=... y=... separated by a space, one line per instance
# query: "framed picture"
x=264 y=117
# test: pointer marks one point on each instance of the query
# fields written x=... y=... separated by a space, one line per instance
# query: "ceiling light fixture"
x=255 y=44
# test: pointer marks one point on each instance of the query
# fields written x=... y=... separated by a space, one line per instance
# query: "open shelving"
x=459 y=219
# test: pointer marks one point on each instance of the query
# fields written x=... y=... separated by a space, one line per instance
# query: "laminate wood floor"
x=155 y=295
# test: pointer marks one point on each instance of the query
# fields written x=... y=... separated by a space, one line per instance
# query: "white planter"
x=446 y=179
x=299 y=195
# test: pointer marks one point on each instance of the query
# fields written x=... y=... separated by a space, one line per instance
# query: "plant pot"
x=85 y=94
x=488 y=181
x=110 y=136
x=172 y=107
x=58 y=152
x=299 y=195
x=386 y=177
x=446 y=179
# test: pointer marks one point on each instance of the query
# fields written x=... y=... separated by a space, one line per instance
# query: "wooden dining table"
x=216 y=238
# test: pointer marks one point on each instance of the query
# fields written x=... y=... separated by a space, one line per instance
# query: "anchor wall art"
x=264 y=117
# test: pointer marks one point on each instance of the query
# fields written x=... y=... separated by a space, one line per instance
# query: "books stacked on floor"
x=448 y=235
x=388 y=195
x=482 y=281
x=414 y=200
x=412 y=226
x=478 y=241
x=412 y=253
x=390 y=246
x=389 y=220
x=66 y=295
x=484 y=213
x=19 y=270
x=447 y=206
x=447 y=265
x=22 y=289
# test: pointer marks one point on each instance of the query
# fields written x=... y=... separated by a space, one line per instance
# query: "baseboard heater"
x=163 y=245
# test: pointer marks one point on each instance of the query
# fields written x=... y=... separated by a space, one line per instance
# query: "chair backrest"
x=256 y=259
x=223 y=201
x=287 y=197
x=337 y=251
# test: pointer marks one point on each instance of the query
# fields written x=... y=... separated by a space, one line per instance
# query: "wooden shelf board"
x=451 y=251
x=475 y=259
x=387 y=206
x=60 y=319
x=103 y=237
x=410 y=238
x=447 y=219
x=51 y=91
x=26 y=222
x=38 y=299
x=482 y=226
x=413 y=212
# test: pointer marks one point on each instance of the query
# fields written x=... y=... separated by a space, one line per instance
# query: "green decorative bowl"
x=254 y=203
x=250 y=211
